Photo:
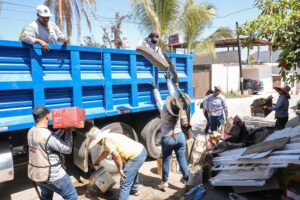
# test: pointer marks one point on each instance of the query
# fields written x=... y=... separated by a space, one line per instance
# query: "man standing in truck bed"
x=44 y=165
x=42 y=32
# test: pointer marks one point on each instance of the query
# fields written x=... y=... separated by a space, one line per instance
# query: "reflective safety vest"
x=39 y=164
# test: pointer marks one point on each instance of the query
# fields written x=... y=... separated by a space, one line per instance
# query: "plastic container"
x=102 y=179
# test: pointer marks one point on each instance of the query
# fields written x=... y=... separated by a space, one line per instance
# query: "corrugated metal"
x=104 y=81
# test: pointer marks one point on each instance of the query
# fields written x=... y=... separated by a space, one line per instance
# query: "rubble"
x=235 y=168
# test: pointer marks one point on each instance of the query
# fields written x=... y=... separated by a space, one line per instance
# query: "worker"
x=205 y=111
x=216 y=107
x=281 y=108
x=43 y=32
x=44 y=165
x=173 y=138
x=127 y=154
x=151 y=41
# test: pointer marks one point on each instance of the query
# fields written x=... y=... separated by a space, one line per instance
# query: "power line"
x=227 y=15
x=16 y=4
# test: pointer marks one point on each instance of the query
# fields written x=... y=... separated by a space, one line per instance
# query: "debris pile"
x=254 y=165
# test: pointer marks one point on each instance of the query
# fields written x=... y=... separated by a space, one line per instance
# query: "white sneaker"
x=163 y=186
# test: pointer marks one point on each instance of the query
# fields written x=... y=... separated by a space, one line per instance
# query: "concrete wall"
x=226 y=76
x=259 y=72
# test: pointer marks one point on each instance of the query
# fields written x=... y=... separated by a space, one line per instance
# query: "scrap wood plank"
x=266 y=146
x=215 y=182
x=252 y=174
x=291 y=159
x=248 y=166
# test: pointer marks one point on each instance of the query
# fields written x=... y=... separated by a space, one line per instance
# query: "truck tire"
x=116 y=127
x=151 y=137
x=122 y=128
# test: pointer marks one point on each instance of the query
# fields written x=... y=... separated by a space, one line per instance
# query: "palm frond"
x=207 y=46
x=195 y=18
x=222 y=33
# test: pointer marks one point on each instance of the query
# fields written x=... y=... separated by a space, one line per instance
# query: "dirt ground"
x=22 y=189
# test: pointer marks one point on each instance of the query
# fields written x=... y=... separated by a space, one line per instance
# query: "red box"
x=68 y=117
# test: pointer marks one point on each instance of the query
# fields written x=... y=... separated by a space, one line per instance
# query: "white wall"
x=265 y=75
x=226 y=76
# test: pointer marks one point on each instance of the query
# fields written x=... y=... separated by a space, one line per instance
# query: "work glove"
x=168 y=75
x=153 y=85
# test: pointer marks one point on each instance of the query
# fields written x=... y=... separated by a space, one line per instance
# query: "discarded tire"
x=155 y=58
x=151 y=137
x=117 y=127
x=122 y=128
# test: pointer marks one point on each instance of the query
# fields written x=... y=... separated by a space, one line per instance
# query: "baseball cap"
x=43 y=11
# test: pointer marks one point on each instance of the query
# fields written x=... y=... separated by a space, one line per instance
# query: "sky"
x=14 y=17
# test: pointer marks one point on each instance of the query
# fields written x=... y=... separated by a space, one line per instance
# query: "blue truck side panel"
x=106 y=82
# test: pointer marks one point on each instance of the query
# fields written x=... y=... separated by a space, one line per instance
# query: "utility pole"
x=240 y=60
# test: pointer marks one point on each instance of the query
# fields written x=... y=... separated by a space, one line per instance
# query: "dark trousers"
x=280 y=122
x=207 y=122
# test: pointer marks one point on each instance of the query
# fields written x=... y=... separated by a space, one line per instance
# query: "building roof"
x=231 y=43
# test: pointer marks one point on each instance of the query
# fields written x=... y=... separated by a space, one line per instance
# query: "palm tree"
x=156 y=15
x=64 y=10
x=165 y=16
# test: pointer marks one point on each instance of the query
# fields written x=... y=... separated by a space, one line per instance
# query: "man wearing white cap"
x=127 y=154
x=42 y=32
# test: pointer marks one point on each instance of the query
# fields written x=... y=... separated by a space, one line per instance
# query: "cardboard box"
x=259 y=111
x=68 y=117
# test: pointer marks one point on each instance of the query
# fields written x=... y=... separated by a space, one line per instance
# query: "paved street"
x=22 y=189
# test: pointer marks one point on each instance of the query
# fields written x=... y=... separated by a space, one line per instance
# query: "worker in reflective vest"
x=44 y=165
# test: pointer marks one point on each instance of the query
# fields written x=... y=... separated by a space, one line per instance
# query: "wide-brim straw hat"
x=218 y=88
x=286 y=89
x=96 y=135
x=173 y=101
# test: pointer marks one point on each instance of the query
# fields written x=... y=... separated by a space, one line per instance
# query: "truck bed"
x=106 y=82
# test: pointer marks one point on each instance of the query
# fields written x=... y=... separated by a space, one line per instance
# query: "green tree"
x=279 y=22
x=191 y=19
x=64 y=10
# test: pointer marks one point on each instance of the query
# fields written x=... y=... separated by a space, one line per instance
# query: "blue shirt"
x=281 y=107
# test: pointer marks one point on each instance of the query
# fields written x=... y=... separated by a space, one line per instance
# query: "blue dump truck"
x=111 y=85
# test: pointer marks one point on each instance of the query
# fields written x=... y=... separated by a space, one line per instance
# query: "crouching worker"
x=44 y=165
x=173 y=138
x=128 y=156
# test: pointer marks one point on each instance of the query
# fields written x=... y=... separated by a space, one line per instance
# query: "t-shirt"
x=126 y=147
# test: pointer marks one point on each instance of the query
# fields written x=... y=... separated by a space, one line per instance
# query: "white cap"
x=43 y=11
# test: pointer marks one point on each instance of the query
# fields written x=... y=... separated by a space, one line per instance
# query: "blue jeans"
x=168 y=144
x=216 y=122
x=64 y=187
x=131 y=171
x=207 y=122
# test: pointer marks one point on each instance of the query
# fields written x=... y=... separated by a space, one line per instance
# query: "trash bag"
x=195 y=193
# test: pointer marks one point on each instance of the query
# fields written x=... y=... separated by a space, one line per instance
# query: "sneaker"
x=163 y=186
x=136 y=192
x=183 y=181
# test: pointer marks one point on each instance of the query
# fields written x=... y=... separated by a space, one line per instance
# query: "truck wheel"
x=151 y=137
x=122 y=128
x=117 y=127
x=250 y=91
